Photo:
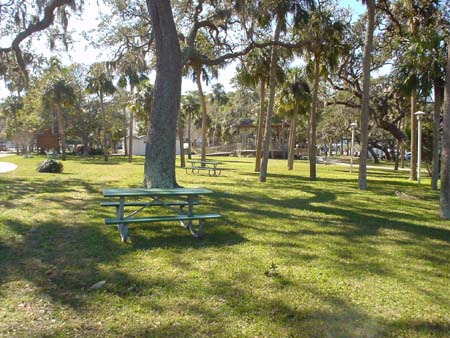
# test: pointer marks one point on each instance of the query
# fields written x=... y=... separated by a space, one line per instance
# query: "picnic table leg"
x=196 y=233
x=184 y=225
x=123 y=228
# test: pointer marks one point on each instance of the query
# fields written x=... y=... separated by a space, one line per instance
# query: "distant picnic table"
x=174 y=200
x=199 y=165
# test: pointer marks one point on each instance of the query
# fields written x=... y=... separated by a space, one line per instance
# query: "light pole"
x=419 y=115
x=353 y=126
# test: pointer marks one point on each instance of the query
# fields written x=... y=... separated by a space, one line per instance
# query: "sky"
x=81 y=52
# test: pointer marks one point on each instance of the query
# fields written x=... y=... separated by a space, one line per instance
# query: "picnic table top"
x=123 y=192
x=205 y=162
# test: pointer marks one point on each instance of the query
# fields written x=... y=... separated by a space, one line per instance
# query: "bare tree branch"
x=189 y=56
x=46 y=21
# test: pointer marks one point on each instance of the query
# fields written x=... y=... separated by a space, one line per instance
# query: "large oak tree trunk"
x=362 y=177
x=159 y=169
x=445 y=159
x=438 y=91
x=268 y=126
x=260 y=132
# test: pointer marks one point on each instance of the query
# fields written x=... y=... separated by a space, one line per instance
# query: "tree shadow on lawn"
x=377 y=186
x=99 y=160
x=327 y=315
x=95 y=162
x=367 y=223
x=62 y=254
x=256 y=203
x=170 y=235
x=17 y=187
x=351 y=181
x=230 y=308
x=239 y=310
x=353 y=222
x=61 y=260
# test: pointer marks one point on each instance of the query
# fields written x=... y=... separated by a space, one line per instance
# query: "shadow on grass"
x=61 y=260
x=62 y=255
x=365 y=221
x=341 y=220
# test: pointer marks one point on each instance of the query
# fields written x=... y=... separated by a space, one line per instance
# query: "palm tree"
x=296 y=97
x=59 y=95
x=190 y=105
x=10 y=108
x=326 y=33
x=131 y=68
x=199 y=73
x=431 y=65
x=141 y=104
x=218 y=98
x=421 y=67
x=364 y=125
x=99 y=81
x=255 y=70
x=277 y=11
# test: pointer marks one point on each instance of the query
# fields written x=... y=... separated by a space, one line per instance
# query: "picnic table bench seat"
x=161 y=218
x=144 y=203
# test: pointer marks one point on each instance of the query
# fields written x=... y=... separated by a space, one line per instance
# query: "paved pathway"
x=321 y=159
x=372 y=166
x=6 y=166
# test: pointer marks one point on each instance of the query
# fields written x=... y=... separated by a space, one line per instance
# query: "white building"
x=139 y=145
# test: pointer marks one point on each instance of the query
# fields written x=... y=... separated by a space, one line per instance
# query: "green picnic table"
x=175 y=200
x=210 y=166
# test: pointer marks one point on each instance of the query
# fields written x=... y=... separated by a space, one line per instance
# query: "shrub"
x=50 y=166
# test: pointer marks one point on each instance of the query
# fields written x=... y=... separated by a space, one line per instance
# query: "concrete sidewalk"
x=371 y=166
x=6 y=166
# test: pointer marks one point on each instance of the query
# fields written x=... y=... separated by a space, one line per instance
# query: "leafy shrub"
x=50 y=166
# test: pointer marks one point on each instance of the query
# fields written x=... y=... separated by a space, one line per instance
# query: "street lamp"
x=353 y=126
x=419 y=115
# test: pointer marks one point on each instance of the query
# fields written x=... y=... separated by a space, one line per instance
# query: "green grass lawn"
x=289 y=258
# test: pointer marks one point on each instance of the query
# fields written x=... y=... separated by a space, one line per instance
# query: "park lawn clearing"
x=289 y=258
